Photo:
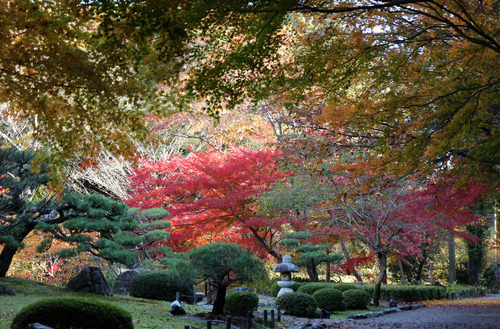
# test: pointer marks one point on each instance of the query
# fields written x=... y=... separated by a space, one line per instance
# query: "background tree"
x=223 y=264
x=389 y=218
x=476 y=253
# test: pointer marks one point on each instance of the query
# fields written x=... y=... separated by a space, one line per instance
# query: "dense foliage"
x=61 y=313
x=162 y=285
x=297 y=304
x=355 y=299
x=329 y=299
x=240 y=302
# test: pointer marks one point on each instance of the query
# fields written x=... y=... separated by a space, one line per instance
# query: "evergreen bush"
x=344 y=286
x=329 y=299
x=409 y=294
x=297 y=304
x=162 y=285
x=356 y=299
x=310 y=288
x=240 y=302
x=75 y=313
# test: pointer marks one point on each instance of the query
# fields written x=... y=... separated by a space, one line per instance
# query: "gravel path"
x=480 y=313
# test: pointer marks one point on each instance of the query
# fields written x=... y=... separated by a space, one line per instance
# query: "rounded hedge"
x=240 y=302
x=310 y=288
x=329 y=299
x=356 y=299
x=297 y=304
x=161 y=285
x=75 y=313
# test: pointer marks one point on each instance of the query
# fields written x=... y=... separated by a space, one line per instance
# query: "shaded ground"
x=480 y=313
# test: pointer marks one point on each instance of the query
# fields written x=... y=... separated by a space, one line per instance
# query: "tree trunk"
x=313 y=273
x=348 y=257
x=421 y=264
x=8 y=252
x=452 y=269
x=6 y=259
x=382 y=263
x=403 y=278
x=271 y=251
x=219 y=300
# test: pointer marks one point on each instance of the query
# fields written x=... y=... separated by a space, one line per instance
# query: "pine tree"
x=89 y=223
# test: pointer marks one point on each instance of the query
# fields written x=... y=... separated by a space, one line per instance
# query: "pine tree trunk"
x=313 y=273
x=6 y=259
x=8 y=252
x=219 y=300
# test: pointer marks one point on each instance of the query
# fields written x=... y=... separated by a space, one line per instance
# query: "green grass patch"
x=145 y=313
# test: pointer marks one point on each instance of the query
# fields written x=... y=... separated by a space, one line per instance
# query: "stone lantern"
x=285 y=269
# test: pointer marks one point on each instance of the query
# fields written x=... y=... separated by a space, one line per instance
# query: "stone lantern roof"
x=286 y=266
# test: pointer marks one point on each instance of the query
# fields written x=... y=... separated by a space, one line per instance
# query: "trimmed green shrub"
x=409 y=294
x=161 y=285
x=348 y=286
x=297 y=304
x=356 y=299
x=75 y=313
x=310 y=288
x=240 y=302
x=329 y=299
x=405 y=294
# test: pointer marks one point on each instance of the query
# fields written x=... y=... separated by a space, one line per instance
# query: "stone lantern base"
x=286 y=287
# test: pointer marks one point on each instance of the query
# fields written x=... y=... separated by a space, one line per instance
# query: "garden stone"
x=37 y=325
x=391 y=310
x=312 y=326
x=90 y=280
x=199 y=296
x=123 y=282
x=6 y=291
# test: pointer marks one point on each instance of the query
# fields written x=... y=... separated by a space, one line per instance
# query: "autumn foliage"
x=210 y=196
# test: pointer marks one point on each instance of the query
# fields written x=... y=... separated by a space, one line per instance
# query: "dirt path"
x=480 y=313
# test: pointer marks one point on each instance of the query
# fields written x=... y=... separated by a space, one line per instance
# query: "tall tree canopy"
x=78 y=90
x=411 y=80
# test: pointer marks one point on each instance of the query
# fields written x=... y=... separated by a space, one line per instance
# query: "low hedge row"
x=402 y=294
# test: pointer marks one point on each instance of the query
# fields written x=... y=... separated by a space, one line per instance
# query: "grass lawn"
x=145 y=313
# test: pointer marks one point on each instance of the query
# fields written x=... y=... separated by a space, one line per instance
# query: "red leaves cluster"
x=210 y=195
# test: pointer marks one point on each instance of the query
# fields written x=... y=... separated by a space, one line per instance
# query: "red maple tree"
x=211 y=197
